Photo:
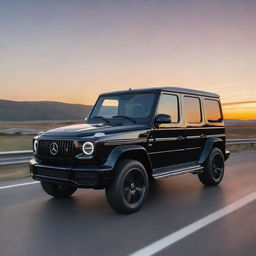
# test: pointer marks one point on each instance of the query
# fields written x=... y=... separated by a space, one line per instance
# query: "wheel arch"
x=134 y=152
x=208 y=146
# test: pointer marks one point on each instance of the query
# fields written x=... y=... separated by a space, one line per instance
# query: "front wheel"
x=129 y=188
x=213 y=169
x=56 y=190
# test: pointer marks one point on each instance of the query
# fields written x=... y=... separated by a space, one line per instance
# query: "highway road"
x=32 y=223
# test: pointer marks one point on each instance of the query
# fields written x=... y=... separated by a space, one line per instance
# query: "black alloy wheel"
x=134 y=186
x=213 y=168
x=217 y=167
x=129 y=188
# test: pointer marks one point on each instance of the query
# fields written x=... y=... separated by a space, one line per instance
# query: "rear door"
x=195 y=130
x=167 y=142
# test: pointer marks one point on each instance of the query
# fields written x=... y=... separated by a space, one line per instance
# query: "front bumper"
x=81 y=177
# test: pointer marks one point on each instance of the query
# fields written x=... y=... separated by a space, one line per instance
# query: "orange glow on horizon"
x=239 y=115
x=243 y=111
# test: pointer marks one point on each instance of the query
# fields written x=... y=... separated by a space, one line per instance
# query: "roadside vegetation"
x=17 y=141
x=241 y=131
x=14 y=171
x=38 y=125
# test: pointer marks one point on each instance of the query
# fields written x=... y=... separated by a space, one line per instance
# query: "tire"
x=213 y=169
x=56 y=190
x=129 y=188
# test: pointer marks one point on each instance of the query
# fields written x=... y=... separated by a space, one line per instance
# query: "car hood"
x=82 y=130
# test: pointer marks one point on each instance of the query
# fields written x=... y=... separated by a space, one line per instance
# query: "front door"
x=167 y=142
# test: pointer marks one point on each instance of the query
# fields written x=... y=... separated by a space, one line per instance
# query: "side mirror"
x=162 y=119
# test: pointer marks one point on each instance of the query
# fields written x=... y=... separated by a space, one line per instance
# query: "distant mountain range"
x=238 y=121
x=49 y=110
x=41 y=110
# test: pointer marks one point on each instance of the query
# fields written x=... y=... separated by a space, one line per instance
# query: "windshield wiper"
x=101 y=117
x=126 y=117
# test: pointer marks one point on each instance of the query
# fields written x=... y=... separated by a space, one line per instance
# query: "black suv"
x=131 y=138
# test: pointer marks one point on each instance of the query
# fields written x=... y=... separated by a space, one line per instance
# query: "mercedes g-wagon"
x=131 y=138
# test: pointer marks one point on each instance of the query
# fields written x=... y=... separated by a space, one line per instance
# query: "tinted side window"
x=192 y=109
x=213 y=113
x=168 y=104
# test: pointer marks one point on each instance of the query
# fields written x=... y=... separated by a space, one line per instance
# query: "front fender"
x=116 y=153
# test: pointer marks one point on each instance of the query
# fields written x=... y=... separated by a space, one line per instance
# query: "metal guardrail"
x=15 y=157
x=240 y=141
x=20 y=157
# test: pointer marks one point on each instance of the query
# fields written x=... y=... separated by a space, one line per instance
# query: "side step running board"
x=196 y=169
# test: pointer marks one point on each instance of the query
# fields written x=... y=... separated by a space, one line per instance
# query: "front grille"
x=65 y=151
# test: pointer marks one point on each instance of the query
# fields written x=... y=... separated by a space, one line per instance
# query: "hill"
x=232 y=122
x=41 y=110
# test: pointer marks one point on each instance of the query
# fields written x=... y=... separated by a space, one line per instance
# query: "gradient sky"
x=73 y=50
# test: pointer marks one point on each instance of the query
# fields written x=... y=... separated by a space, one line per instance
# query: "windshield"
x=133 y=108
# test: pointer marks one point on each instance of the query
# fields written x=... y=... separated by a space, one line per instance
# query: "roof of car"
x=166 y=89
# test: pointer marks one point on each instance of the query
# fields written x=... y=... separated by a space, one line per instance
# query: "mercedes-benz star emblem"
x=54 y=148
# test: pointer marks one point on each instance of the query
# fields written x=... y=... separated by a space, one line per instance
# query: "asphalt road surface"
x=32 y=223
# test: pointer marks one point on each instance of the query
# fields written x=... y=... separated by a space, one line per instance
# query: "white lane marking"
x=184 y=232
x=19 y=185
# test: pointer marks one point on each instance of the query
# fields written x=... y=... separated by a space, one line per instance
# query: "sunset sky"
x=71 y=51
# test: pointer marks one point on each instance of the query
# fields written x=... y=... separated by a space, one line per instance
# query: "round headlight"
x=88 y=148
x=35 y=145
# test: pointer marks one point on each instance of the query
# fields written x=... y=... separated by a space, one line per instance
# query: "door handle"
x=203 y=136
x=180 y=138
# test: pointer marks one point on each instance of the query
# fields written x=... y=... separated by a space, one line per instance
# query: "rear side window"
x=168 y=105
x=192 y=109
x=213 y=112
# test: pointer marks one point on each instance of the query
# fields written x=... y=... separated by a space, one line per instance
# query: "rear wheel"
x=213 y=169
x=129 y=189
x=56 y=190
